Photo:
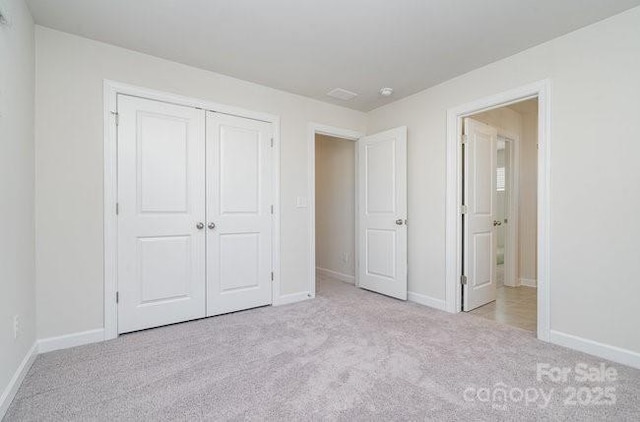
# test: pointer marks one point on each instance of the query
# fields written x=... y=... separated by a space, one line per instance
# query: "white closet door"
x=382 y=207
x=239 y=219
x=161 y=197
x=481 y=200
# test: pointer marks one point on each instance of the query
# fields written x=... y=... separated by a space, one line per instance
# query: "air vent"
x=342 y=94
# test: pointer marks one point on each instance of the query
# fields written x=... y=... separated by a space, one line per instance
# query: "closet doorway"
x=335 y=209
x=380 y=244
x=195 y=213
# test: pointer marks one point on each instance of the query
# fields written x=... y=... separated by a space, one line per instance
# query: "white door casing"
x=382 y=208
x=161 y=199
x=239 y=213
x=480 y=200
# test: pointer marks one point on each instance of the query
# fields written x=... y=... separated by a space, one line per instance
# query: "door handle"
x=496 y=223
x=200 y=226
x=211 y=225
x=399 y=221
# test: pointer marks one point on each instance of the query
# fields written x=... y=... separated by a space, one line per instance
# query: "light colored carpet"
x=347 y=355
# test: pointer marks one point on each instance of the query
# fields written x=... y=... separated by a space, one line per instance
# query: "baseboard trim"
x=338 y=276
x=291 y=298
x=528 y=282
x=427 y=301
x=14 y=384
x=70 y=340
x=601 y=350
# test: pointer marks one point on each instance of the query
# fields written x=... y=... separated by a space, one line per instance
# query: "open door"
x=480 y=200
x=382 y=209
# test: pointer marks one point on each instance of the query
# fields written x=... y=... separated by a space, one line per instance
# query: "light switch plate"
x=4 y=14
x=301 y=202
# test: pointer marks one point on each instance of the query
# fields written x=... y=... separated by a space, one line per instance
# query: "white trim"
x=111 y=91
x=110 y=219
x=313 y=130
x=16 y=380
x=453 y=247
x=337 y=275
x=605 y=351
x=70 y=340
x=528 y=282
x=275 y=234
x=292 y=298
x=429 y=301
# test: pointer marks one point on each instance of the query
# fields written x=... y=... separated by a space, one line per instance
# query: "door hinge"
x=116 y=116
x=464 y=209
x=271 y=209
x=271 y=275
x=463 y=280
x=117 y=208
x=271 y=142
x=464 y=139
x=117 y=297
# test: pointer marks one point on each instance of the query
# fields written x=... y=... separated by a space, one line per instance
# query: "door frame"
x=511 y=238
x=453 y=241
x=348 y=135
x=111 y=89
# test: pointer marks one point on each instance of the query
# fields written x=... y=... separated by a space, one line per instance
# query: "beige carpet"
x=347 y=355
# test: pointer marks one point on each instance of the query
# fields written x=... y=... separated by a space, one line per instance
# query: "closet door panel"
x=239 y=220
x=161 y=200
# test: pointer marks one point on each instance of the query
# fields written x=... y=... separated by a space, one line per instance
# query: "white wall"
x=17 y=278
x=69 y=141
x=506 y=120
x=335 y=204
x=528 y=199
x=595 y=193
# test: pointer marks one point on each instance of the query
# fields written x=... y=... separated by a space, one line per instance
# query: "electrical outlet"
x=16 y=326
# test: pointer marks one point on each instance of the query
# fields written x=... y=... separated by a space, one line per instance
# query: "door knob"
x=211 y=225
x=496 y=223
x=200 y=226
x=399 y=221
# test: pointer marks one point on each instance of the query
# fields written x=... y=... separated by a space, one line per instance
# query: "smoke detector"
x=342 y=94
x=386 y=92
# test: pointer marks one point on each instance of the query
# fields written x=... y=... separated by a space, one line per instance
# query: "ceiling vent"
x=342 y=94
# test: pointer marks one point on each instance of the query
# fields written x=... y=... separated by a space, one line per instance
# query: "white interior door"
x=480 y=198
x=382 y=209
x=161 y=200
x=239 y=213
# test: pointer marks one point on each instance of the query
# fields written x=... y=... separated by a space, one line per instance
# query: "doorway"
x=457 y=276
x=194 y=213
x=508 y=166
x=380 y=204
x=335 y=209
x=191 y=209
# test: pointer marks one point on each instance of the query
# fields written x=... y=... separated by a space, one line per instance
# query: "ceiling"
x=311 y=47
